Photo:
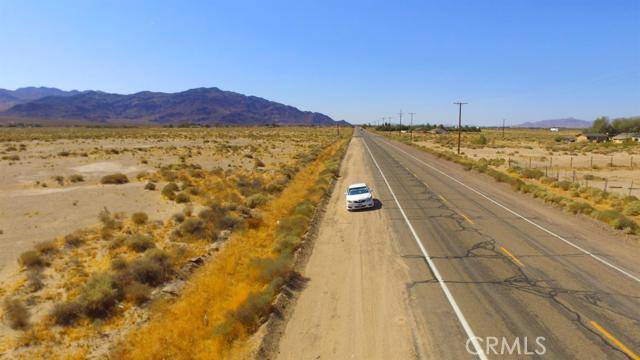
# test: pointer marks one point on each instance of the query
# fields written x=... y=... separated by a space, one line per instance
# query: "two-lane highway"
x=502 y=267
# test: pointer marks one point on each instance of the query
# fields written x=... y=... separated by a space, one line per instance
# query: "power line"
x=459 y=122
x=400 y=114
x=411 y=126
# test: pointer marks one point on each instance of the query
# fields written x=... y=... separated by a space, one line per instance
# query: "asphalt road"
x=485 y=261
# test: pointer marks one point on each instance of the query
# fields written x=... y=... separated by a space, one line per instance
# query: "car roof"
x=358 y=185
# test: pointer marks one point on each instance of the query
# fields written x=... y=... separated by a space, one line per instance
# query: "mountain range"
x=8 y=98
x=204 y=106
x=570 y=123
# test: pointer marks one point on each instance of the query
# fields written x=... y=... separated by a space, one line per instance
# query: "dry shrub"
x=153 y=268
x=74 y=239
x=76 y=178
x=137 y=292
x=31 y=259
x=34 y=280
x=140 y=243
x=66 y=313
x=16 y=314
x=182 y=198
x=46 y=247
x=117 y=179
x=192 y=226
x=150 y=186
x=140 y=218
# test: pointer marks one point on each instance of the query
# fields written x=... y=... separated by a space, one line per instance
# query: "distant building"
x=598 y=138
x=438 y=131
x=553 y=129
x=624 y=137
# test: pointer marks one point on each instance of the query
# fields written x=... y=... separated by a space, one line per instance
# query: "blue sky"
x=359 y=61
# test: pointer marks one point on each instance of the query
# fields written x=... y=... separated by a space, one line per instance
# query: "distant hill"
x=9 y=98
x=559 y=123
x=206 y=106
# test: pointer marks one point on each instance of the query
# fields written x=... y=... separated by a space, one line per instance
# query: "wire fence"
x=584 y=170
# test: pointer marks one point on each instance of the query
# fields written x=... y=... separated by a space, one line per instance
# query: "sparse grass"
x=117 y=179
x=217 y=194
x=249 y=286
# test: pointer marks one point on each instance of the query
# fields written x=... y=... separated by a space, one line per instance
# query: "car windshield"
x=358 y=191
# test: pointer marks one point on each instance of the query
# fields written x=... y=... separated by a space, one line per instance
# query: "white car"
x=359 y=197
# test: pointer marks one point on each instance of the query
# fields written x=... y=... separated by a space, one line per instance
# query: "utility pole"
x=503 y=128
x=459 y=122
x=400 y=114
x=411 y=126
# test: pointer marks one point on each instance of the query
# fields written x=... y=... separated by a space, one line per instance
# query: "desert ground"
x=79 y=204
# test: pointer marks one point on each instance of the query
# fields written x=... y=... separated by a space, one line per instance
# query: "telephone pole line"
x=503 y=128
x=459 y=103
x=411 y=126
x=400 y=116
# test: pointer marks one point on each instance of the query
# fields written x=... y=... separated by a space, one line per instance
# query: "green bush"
x=192 y=226
x=99 y=296
x=153 y=268
x=632 y=209
x=16 y=313
x=118 y=178
x=576 y=207
x=66 y=313
x=255 y=200
x=140 y=243
x=532 y=173
x=564 y=185
x=169 y=190
x=150 y=186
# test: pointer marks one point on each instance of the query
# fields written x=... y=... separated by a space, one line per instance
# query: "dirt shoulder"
x=355 y=304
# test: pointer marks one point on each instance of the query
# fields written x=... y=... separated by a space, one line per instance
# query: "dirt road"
x=355 y=305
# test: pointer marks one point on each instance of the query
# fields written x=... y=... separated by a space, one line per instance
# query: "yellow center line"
x=466 y=217
x=613 y=339
x=509 y=254
x=457 y=211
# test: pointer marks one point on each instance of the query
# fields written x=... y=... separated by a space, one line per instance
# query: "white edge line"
x=605 y=262
x=436 y=273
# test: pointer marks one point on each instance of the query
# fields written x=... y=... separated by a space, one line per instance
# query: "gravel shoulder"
x=356 y=303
